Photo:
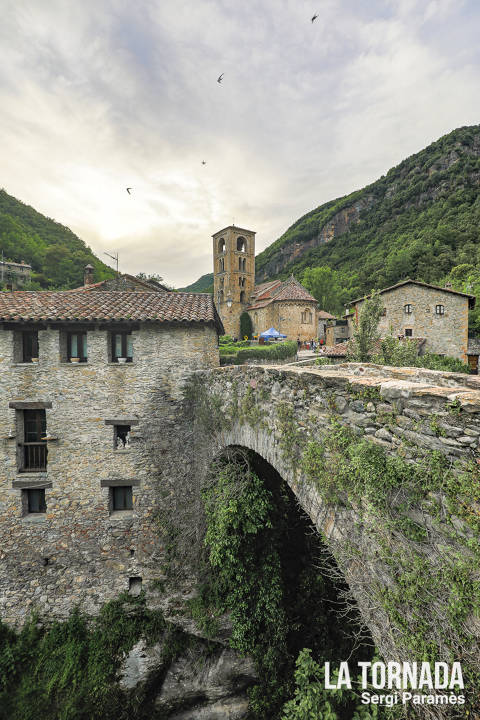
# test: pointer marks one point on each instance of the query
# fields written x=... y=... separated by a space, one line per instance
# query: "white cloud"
x=98 y=96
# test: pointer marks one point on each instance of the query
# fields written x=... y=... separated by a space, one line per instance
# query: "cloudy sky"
x=99 y=95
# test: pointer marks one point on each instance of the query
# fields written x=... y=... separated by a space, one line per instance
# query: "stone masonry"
x=78 y=551
x=445 y=333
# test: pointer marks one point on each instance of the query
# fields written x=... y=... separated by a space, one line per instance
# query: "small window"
x=121 y=498
x=306 y=316
x=408 y=309
x=77 y=346
x=221 y=265
x=408 y=332
x=122 y=347
x=30 y=346
x=35 y=500
x=121 y=437
x=439 y=309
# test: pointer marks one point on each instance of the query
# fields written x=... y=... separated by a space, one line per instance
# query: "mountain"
x=420 y=220
x=203 y=284
x=56 y=254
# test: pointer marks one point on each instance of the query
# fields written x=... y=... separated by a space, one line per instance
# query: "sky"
x=100 y=95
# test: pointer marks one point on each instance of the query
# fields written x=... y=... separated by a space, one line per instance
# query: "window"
x=307 y=316
x=121 y=498
x=408 y=332
x=35 y=500
x=122 y=347
x=221 y=246
x=244 y=264
x=439 y=309
x=241 y=282
x=121 y=436
x=242 y=296
x=30 y=345
x=77 y=346
x=34 y=447
x=408 y=309
x=241 y=244
x=220 y=296
x=221 y=265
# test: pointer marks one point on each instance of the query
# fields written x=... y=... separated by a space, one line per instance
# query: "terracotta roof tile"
x=291 y=289
x=116 y=306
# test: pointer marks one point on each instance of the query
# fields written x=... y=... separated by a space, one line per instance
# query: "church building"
x=285 y=305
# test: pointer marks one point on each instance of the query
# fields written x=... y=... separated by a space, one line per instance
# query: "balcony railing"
x=34 y=456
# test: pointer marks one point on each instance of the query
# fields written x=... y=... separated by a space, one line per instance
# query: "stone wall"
x=78 y=552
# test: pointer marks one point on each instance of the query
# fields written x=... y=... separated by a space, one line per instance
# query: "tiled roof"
x=270 y=292
x=324 y=315
x=291 y=289
x=116 y=306
x=408 y=281
x=155 y=286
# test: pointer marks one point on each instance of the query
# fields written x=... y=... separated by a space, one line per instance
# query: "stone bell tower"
x=234 y=274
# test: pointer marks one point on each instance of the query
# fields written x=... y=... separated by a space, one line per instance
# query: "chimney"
x=88 y=275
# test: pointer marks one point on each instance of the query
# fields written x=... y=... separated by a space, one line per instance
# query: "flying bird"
x=220 y=78
x=314 y=18
x=204 y=162
x=128 y=190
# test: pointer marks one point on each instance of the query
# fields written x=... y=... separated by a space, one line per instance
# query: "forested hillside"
x=203 y=284
x=56 y=254
x=420 y=220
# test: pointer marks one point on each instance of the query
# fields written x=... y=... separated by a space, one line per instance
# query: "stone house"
x=336 y=332
x=15 y=274
x=324 y=319
x=287 y=306
x=91 y=400
x=123 y=281
x=419 y=310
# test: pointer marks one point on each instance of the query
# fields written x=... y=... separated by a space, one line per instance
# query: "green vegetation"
x=67 y=671
x=238 y=353
x=202 y=285
x=262 y=569
x=246 y=326
x=365 y=331
x=404 y=353
x=56 y=254
x=420 y=220
x=323 y=283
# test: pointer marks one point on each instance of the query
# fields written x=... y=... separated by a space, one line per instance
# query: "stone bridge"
x=384 y=462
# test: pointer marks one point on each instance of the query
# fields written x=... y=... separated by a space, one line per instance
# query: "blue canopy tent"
x=271 y=333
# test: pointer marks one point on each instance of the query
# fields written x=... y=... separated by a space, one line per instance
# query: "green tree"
x=365 y=330
x=323 y=283
x=246 y=327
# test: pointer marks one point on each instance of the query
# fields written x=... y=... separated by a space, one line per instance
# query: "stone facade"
x=79 y=551
x=295 y=319
x=234 y=274
x=415 y=309
x=16 y=274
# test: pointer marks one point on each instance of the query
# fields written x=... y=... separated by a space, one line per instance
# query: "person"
x=299 y=344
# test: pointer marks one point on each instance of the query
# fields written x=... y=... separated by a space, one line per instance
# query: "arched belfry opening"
x=221 y=246
x=267 y=566
x=241 y=244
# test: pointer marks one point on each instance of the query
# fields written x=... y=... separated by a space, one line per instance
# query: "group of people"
x=311 y=344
